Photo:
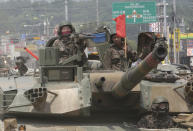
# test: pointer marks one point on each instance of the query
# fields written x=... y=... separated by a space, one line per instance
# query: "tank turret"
x=132 y=77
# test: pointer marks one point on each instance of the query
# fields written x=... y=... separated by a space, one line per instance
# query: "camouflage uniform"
x=146 y=43
x=68 y=47
x=20 y=63
x=115 y=58
x=159 y=118
x=153 y=121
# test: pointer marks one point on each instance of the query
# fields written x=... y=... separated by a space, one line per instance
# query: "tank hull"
x=82 y=124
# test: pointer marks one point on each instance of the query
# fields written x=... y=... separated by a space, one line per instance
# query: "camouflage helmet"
x=160 y=105
x=65 y=24
x=159 y=99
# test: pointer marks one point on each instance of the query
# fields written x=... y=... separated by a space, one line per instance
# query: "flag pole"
x=125 y=47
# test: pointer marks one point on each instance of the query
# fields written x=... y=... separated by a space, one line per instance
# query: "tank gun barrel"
x=132 y=77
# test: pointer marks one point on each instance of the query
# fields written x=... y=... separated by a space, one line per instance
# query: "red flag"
x=120 y=26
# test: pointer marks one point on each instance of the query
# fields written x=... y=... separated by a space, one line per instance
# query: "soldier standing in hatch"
x=114 y=58
x=159 y=118
x=20 y=63
x=68 y=46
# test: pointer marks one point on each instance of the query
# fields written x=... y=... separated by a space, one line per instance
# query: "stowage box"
x=48 y=56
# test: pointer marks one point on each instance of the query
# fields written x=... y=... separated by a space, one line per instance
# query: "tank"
x=66 y=97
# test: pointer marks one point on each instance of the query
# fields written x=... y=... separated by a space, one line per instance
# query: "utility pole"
x=168 y=43
x=97 y=12
x=48 y=28
x=165 y=20
x=174 y=30
x=45 y=27
x=165 y=31
x=66 y=10
x=162 y=18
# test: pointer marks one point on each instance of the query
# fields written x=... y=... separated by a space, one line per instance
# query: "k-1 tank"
x=68 y=97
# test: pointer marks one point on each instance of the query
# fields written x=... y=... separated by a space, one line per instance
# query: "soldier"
x=115 y=58
x=20 y=63
x=69 y=45
x=159 y=117
x=146 y=43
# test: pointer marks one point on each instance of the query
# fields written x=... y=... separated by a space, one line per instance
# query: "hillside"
x=15 y=14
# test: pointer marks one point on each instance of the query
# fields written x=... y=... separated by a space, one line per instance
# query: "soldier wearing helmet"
x=115 y=58
x=67 y=44
x=159 y=117
x=20 y=63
